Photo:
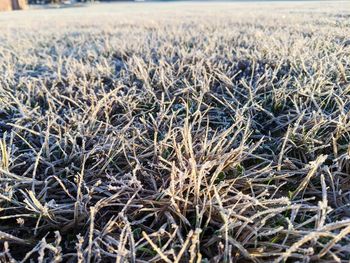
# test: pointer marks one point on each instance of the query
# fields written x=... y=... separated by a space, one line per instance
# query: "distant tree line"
x=38 y=2
x=7 y=5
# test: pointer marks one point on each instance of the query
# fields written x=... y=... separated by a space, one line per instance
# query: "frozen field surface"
x=175 y=132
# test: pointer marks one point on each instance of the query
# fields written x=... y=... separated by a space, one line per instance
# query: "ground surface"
x=176 y=132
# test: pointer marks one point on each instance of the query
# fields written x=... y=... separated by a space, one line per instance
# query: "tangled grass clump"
x=175 y=133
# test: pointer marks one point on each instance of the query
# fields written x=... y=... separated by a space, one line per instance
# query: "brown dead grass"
x=5 y=5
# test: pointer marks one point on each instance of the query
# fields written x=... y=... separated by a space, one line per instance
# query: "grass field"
x=176 y=132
